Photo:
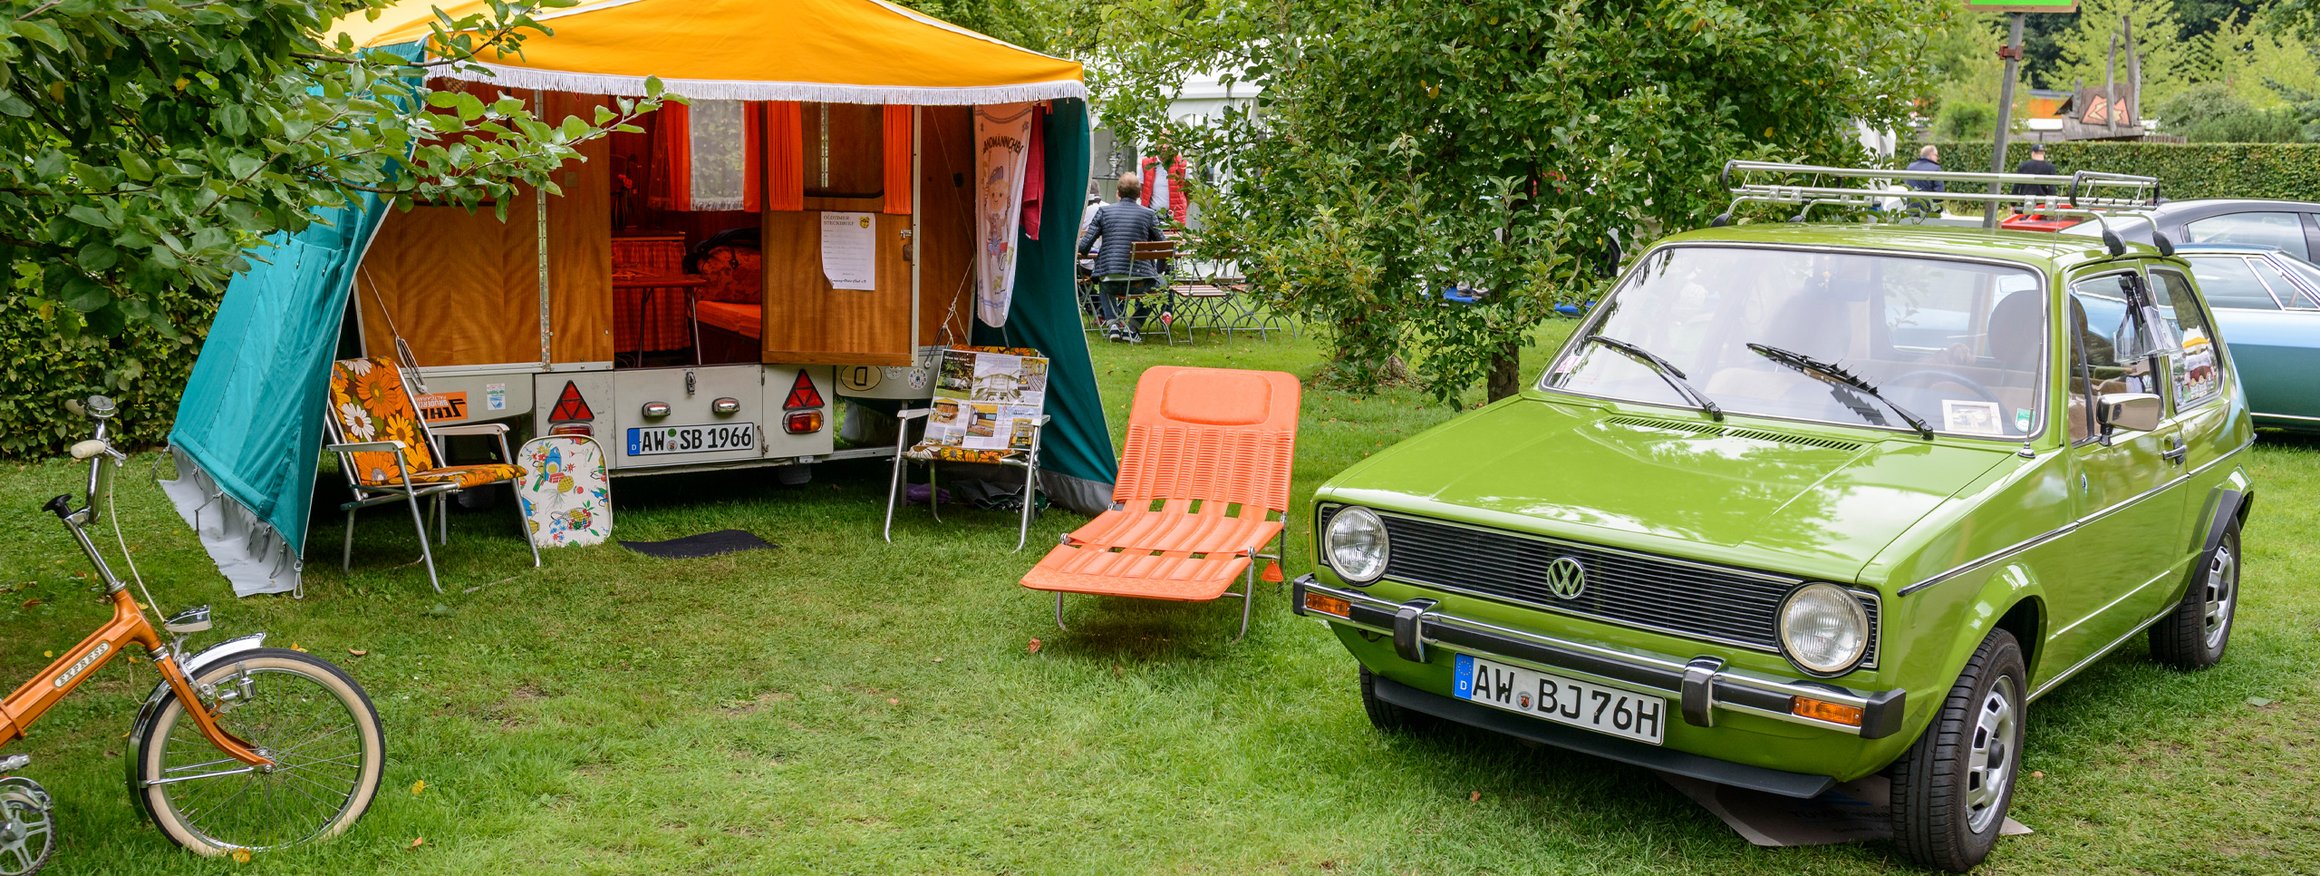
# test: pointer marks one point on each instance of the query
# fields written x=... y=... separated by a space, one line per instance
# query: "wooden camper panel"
x=946 y=223
x=580 y=244
x=442 y=273
x=809 y=323
x=463 y=288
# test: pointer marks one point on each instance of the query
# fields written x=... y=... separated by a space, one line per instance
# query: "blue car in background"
x=2267 y=308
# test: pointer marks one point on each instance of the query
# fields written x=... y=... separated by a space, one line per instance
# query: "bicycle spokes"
x=318 y=751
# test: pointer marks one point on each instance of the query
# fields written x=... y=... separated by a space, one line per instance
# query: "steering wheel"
x=1939 y=376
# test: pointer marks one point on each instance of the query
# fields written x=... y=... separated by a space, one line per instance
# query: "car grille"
x=1694 y=600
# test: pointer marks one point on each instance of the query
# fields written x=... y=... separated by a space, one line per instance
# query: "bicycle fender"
x=192 y=667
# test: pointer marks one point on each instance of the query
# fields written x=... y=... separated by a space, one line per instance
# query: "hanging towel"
x=1035 y=173
x=1002 y=135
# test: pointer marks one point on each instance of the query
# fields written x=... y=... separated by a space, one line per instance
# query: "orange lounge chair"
x=1203 y=489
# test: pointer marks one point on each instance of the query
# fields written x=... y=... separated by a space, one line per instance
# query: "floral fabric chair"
x=389 y=453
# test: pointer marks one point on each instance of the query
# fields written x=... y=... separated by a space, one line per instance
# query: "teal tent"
x=1077 y=467
x=249 y=428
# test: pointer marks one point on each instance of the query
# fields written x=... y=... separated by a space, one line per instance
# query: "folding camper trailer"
x=677 y=301
x=809 y=228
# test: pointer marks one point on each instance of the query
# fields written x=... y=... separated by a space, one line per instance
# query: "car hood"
x=1785 y=497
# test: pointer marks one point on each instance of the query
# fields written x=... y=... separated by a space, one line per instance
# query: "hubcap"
x=1990 y=762
x=2222 y=589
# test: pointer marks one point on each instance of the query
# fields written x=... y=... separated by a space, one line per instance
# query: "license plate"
x=651 y=440
x=1562 y=700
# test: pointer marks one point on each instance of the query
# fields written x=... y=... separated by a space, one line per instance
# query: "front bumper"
x=1702 y=686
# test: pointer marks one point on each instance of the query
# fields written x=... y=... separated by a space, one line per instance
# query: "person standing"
x=2036 y=164
x=1928 y=159
x=1118 y=227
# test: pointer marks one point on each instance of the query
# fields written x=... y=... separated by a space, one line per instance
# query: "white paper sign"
x=850 y=250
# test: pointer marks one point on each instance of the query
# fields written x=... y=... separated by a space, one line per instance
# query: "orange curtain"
x=785 y=159
x=672 y=167
x=898 y=168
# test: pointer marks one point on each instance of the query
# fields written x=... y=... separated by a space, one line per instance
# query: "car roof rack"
x=2084 y=193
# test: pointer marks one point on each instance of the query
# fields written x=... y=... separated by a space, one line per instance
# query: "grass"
x=841 y=705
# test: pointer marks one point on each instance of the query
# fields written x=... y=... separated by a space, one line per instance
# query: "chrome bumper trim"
x=1701 y=685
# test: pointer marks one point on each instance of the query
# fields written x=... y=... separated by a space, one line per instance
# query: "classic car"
x=1803 y=503
x=2267 y=308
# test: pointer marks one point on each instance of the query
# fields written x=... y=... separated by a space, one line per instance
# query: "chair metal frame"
x=404 y=489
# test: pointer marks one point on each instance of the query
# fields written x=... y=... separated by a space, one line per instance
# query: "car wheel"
x=1951 y=789
x=2194 y=634
x=1387 y=716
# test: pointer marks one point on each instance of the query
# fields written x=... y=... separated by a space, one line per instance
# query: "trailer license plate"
x=650 y=440
x=1562 y=700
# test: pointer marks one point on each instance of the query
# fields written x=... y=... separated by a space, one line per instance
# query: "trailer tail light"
x=802 y=422
x=803 y=395
x=583 y=430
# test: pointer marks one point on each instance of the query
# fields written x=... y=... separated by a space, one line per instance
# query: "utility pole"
x=2012 y=53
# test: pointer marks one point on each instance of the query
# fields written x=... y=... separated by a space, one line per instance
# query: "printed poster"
x=1002 y=141
x=986 y=401
x=850 y=250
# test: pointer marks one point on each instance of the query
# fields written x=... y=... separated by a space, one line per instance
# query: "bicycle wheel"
x=306 y=714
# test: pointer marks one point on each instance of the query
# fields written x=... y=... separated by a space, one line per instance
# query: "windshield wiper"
x=1666 y=371
x=1830 y=372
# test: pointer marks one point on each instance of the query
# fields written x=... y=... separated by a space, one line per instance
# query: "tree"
x=2085 y=48
x=1509 y=145
x=148 y=143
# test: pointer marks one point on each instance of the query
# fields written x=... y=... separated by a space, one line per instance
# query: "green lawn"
x=844 y=705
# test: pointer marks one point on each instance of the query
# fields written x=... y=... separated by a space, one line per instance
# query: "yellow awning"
x=834 y=51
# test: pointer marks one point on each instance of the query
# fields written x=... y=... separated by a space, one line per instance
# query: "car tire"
x=1389 y=717
x=1952 y=787
x=2194 y=635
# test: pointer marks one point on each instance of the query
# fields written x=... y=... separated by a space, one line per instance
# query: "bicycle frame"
x=128 y=626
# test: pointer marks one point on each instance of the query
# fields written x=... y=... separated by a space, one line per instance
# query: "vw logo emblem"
x=1566 y=578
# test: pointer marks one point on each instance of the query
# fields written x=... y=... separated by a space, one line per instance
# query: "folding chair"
x=389 y=454
x=1203 y=490
x=1130 y=286
x=988 y=408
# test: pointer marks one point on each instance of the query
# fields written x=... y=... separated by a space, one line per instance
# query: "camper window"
x=845 y=150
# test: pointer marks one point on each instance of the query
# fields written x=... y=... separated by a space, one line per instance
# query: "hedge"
x=47 y=357
x=2288 y=171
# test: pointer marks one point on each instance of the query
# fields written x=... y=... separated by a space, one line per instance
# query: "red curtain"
x=898 y=148
x=784 y=168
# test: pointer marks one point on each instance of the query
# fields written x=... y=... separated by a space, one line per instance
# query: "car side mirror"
x=2132 y=411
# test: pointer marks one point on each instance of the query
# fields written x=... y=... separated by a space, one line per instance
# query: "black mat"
x=707 y=544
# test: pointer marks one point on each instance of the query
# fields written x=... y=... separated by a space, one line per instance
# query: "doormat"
x=707 y=544
x=1850 y=812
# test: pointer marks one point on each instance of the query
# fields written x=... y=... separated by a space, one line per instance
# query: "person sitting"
x=1118 y=226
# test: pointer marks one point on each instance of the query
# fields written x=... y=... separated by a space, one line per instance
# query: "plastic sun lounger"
x=1203 y=490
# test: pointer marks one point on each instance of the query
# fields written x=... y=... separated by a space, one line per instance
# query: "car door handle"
x=2175 y=454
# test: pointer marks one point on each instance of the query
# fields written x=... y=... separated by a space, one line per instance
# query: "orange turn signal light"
x=802 y=422
x=1823 y=710
x=1326 y=604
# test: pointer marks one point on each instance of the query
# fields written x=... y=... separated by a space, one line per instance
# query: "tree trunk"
x=1505 y=372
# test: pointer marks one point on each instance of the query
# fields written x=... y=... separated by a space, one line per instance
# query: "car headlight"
x=1823 y=629
x=1355 y=544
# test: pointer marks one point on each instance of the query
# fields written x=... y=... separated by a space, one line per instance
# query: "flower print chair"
x=389 y=453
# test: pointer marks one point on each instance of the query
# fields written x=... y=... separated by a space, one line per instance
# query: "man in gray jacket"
x=1118 y=226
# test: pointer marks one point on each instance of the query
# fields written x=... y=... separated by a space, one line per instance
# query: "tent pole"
x=917 y=245
x=540 y=215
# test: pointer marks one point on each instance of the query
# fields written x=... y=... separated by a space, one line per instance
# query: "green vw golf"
x=1801 y=503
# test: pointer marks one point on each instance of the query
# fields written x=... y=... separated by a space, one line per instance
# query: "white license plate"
x=1562 y=700
x=719 y=437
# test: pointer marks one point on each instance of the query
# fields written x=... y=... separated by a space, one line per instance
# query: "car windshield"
x=1841 y=337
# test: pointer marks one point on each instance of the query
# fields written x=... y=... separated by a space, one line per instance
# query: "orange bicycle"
x=240 y=747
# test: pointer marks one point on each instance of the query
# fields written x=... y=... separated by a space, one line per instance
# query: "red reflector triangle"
x=570 y=406
x=802 y=394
